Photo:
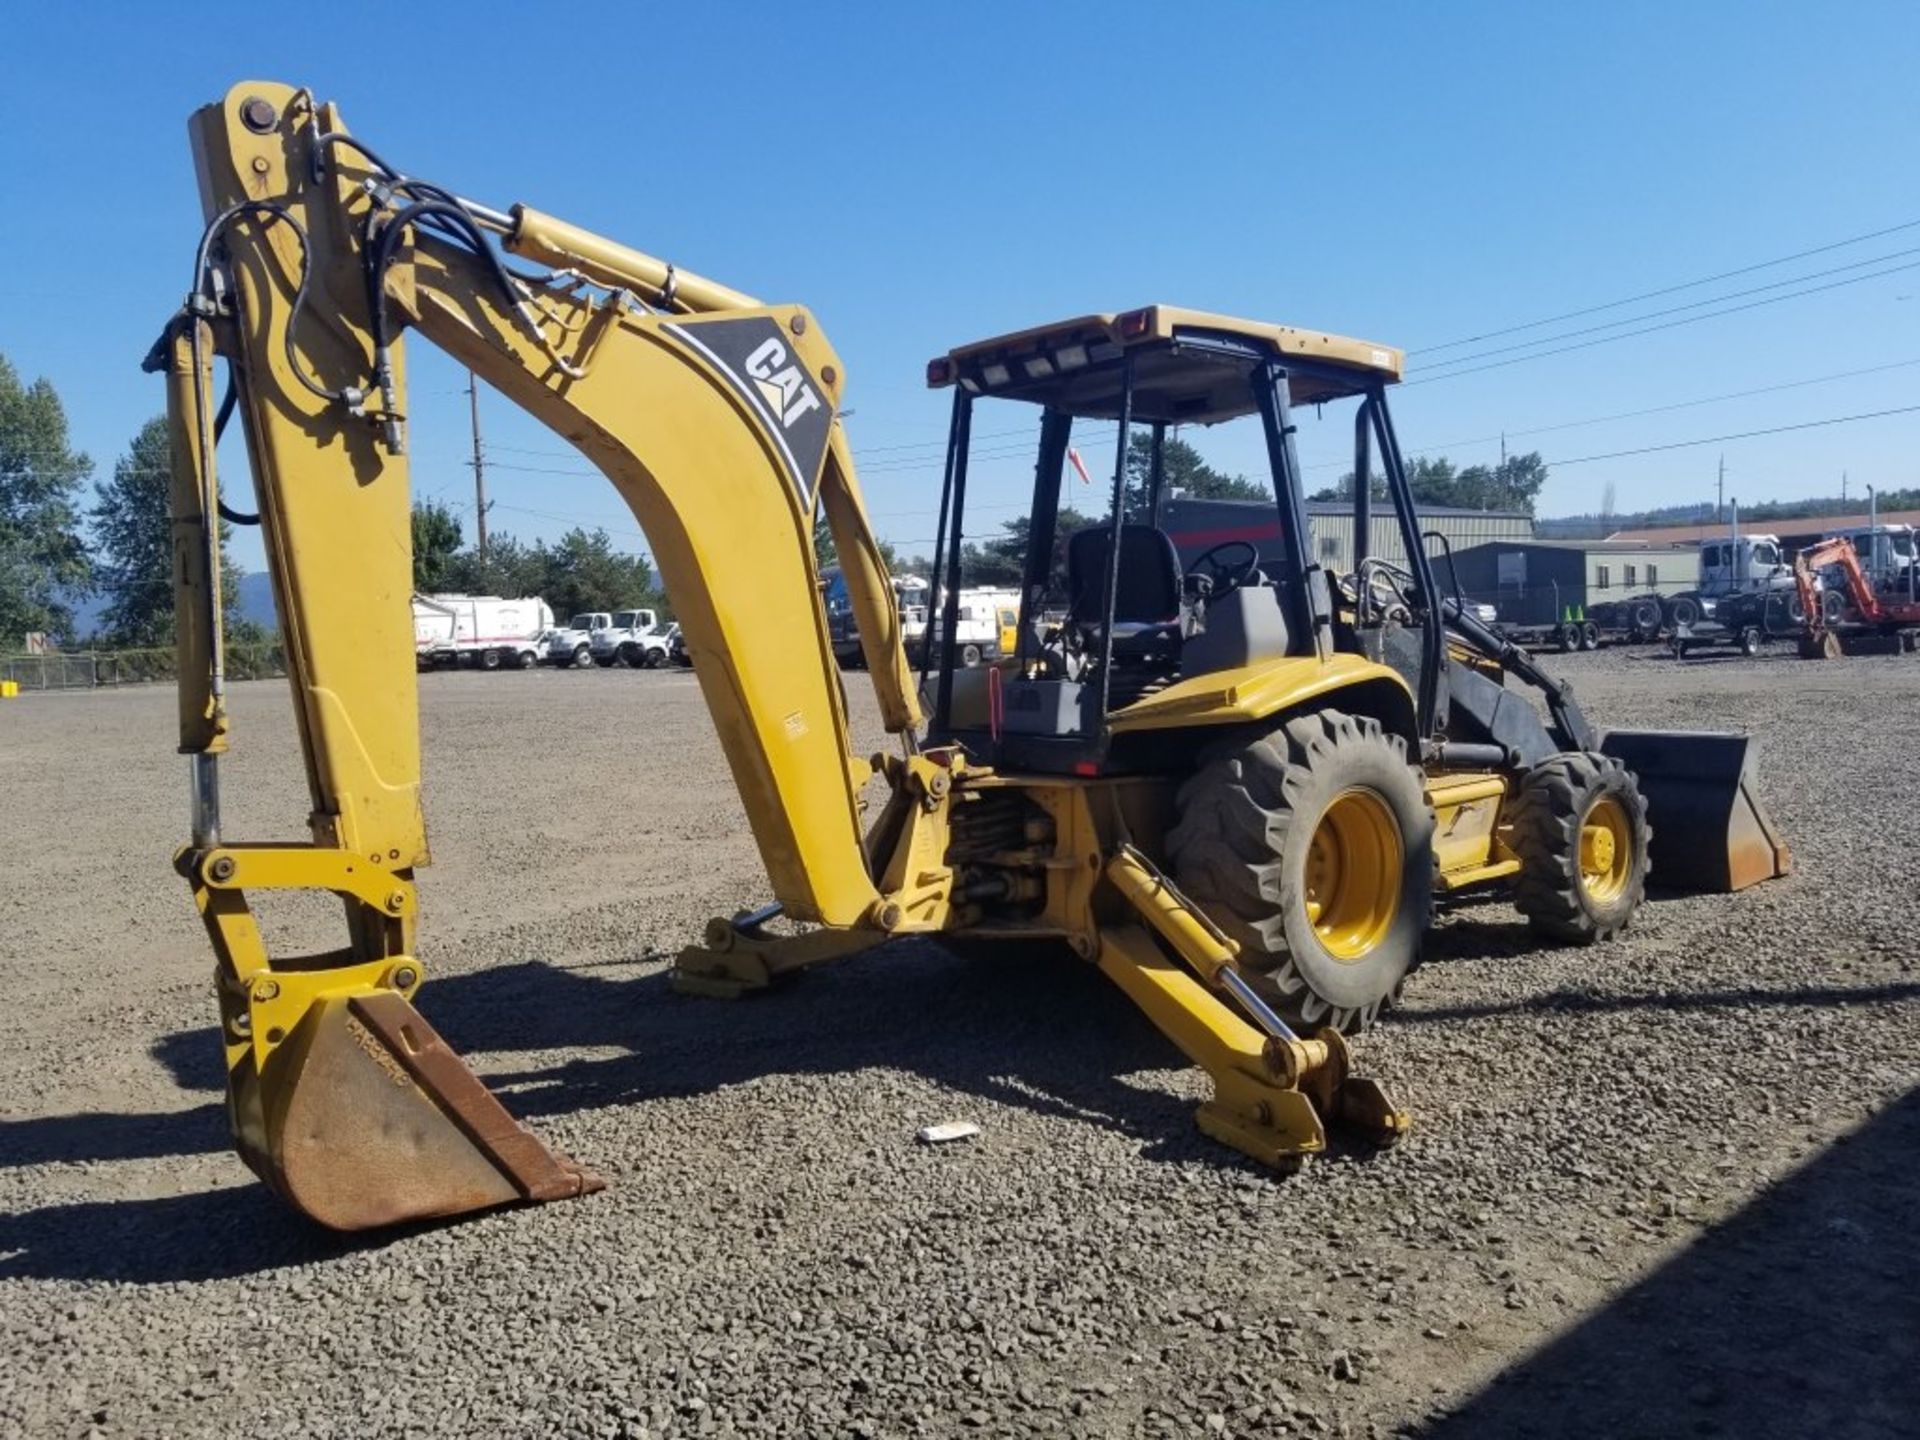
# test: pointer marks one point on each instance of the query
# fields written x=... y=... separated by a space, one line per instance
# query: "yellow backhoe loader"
x=1235 y=792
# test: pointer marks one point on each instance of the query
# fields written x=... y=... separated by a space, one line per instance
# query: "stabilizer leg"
x=739 y=957
x=1275 y=1092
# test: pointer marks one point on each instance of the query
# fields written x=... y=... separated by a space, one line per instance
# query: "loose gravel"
x=1662 y=1187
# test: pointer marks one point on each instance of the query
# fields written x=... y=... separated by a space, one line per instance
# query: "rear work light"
x=1038 y=367
x=1135 y=323
x=1070 y=357
x=995 y=374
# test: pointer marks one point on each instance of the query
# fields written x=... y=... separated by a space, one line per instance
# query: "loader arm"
x=715 y=417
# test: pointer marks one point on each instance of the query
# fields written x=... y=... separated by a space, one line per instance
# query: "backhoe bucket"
x=365 y=1117
x=1711 y=834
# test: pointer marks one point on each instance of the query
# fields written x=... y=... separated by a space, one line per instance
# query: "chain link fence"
x=94 y=669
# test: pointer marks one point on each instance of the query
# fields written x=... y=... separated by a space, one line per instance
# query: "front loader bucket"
x=365 y=1117
x=1711 y=834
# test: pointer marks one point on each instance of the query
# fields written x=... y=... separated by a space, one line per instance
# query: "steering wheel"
x=1222 y=577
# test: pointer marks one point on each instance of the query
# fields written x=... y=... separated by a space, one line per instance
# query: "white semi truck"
x=483 y=630
x=570 y=646
x=1888 y=554
x=617 y=640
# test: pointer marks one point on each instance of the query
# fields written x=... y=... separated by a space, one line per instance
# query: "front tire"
x=1579 y=828
x=1312 y=847
x=582 y=657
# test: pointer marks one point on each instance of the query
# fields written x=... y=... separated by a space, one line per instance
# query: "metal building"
x=1537 y=582
x=1197 y=525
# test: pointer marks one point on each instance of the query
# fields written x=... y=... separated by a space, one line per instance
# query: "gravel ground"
x=1660 y=1188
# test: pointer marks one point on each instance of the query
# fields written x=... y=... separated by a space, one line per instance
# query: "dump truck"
x=1233 y=790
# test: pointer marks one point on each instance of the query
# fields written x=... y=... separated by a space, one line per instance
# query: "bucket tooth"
x=365 y=1117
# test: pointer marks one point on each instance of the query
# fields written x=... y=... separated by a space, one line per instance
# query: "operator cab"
x=1108 y=656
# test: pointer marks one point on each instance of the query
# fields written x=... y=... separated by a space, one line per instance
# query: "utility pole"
x=1843 y=487
x=479 y=470
x=1720 y=491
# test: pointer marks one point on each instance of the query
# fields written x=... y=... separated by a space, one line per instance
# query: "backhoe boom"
x=714 y=416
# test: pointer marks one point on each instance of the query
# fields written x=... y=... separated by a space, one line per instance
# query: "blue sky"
x=922 y=176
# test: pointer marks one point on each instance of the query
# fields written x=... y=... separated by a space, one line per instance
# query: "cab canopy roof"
x=1190 y=367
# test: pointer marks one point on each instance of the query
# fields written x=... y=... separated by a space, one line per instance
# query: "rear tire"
x=1589 y=636
x=1567 y=638
x=489 y=660
x=1579 y=828
x=1685 y=610
x=1312 y=847
x=970 y=656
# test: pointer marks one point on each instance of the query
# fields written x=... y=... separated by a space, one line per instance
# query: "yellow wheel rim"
x=1606 y=850
x=1354 y=864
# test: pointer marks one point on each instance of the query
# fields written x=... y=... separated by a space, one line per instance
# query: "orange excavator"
x=1819 y=640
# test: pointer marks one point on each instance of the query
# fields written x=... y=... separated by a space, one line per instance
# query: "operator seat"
x=1146 y=612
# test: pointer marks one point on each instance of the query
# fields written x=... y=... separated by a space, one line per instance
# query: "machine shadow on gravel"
x=206 y=1235
x=62 y=1139
x=1037 y=1032
x=1799 y=1316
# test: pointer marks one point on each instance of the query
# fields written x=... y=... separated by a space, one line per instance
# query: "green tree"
x=584 y=572
x=1002 y=559
x=436 y=541
x=508 y=568
x=43 y=559
x=133 y=550
x=1514 y=484
x=1183 y=473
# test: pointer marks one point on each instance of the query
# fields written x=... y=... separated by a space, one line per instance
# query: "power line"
x=1667 y=290
x=1668 y=325
x=1445 y=445
x=1742 y=435
x=1677 y=309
